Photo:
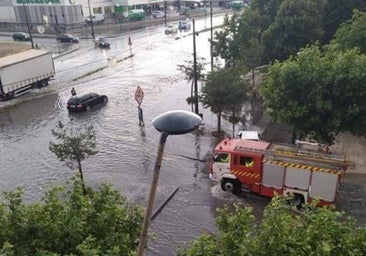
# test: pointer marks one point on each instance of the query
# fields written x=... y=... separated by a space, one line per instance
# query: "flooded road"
x=127 y=151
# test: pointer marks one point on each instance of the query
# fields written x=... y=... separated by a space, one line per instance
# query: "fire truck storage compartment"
x=273 y=175
x=297 y=178
x=324 y=185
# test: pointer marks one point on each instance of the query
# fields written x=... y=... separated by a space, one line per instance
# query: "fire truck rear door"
x=324 y=185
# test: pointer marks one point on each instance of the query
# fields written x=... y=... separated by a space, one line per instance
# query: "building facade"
x=67 y=12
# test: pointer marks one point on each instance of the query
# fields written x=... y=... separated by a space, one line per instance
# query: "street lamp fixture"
x=174 y=122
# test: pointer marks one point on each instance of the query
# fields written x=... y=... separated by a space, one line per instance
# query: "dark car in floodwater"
x=85 y=102
x=101 y=42
x=21 y=36
x=67 y=38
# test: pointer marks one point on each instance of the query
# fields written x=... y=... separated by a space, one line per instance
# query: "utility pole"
x=130 y=44
x=211 y=46
x=165 y=6
x=57 y=27
x=91 y=20
x=29 y=30
x=195 y=69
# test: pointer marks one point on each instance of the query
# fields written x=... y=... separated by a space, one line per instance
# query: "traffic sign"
x=139 y=95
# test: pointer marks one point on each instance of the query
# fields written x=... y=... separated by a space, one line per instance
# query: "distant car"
x=184 y=25
x=170 y=29
x=21 y=36
x=97 y=18
x=158 y=14
x=67 y=38
x=102 y=42
x=249 y=135
x=86 y=101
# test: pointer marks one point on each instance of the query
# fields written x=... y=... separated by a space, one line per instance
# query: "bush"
x=65 y=222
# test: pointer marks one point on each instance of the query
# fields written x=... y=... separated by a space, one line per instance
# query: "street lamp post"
x=57 y=31
x=91 y=20
x=195 y=69
x=57 y=27
x=165 y=6
x=29 y=30
x=169 y=123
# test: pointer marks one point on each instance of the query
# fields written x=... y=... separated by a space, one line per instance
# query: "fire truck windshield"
x=221 y=158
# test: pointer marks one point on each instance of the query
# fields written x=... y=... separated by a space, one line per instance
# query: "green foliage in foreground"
x=65 y=222
x=282 y=231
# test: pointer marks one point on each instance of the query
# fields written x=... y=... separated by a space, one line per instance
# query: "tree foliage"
x=189 y=74
x=282 y=231
x=239 y=34
x=224 y=90
x=352 y=33
x=336 y=12
x=297 y=24
x=65 y=222
x=280 y=28
x=73 y=145
x=319 y=93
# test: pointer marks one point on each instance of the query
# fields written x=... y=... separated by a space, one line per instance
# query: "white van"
x=249 y=135
x=96 y=18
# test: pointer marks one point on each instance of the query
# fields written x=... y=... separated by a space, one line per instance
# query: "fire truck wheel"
x=230 y=185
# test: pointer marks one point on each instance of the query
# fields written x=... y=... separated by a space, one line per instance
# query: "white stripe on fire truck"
x=303 y=166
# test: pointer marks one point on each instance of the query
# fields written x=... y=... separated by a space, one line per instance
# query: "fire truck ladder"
x=302 y=153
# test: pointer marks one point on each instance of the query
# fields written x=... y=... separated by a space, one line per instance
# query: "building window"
x=97 y=10
x=108 y=9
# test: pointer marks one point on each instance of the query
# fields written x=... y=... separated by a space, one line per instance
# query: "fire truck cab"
x=270 y=168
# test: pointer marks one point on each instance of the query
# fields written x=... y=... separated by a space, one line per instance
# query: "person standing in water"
x=141 y=116
x=73 y=91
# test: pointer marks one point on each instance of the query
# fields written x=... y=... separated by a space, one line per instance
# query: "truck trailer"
x=307 y=171
x=24 y=71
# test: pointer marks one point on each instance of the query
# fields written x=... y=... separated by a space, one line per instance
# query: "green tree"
x=318 y=93
x=297 y=24
x=224 y=90
x=73 y=145
x=352 y=33
x=65 y=222
x=336 y=12
x=188 y=71
x=267 y=8
x=235 y=39
x=281 y=231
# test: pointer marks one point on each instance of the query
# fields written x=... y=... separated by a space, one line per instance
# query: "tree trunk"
x=81 y=177
x=219 y=122
x=234 y=119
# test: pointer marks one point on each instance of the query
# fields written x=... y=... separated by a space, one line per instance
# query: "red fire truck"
x=306 y=170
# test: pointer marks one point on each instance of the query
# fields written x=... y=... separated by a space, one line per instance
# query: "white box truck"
x=21 y=72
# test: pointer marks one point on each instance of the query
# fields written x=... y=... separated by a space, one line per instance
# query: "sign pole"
x=130 y=44
x=139 y=96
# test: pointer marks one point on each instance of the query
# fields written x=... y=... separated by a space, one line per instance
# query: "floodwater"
x=127 y=152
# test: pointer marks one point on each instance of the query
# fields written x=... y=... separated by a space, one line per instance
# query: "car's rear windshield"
x=74 y=100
